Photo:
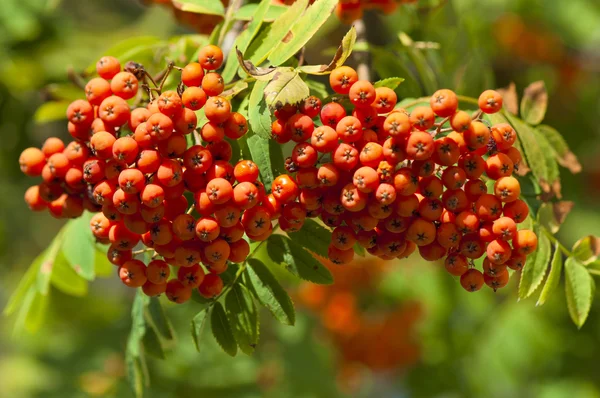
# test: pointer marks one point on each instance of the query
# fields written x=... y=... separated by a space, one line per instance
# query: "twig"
x=362 y=57
x=75 y=78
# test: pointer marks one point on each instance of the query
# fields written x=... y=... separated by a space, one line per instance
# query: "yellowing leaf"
x=285 y=88
x=534 y=103
x=342 y=53
x=212 y=7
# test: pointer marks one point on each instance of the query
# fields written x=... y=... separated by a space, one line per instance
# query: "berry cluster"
x=399 y=182
x=132 y=166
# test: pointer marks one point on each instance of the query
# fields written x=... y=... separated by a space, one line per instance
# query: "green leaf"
x=65 y=279
x=340 y=56
x=32 y=312
x=258 y=112
x=131 y=49
x=317 y=88
x=534 y=103
x=314 y=237
x=358 y=249
x=198 y=324
x=532 y=151
x=535 y=268
x=137 y=373
x=248 y=12
x=243 y=40
x=560 y=149
x=285 y=88
x=553 y=276
x=270 y=293
x=152 y=344
x=212 y=7
x=390 y=82
x=580 y=288
x=297 y=261
x=51 y=112
x=221 y=330
x=18 y=296
x=302 y=30
x=268 y=157
x=551 y=164
x=587 y=249
x=425 y=70
x=102 y=267
x=546 y=217
x=135 y=362
x=158 y=319
x=243 y=317
x=386 y=64
x=79 y=248
x=63 y=92
x=268 y=39
x=45 y=263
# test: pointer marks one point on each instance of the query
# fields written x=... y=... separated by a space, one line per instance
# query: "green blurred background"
x=420 y=334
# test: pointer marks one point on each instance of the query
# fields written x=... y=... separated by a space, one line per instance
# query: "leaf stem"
x=554 y=240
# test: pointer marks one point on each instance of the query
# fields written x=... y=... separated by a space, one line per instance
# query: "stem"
x=75 y=78
x=141 y=251
x=363 y=70
x=554 y=240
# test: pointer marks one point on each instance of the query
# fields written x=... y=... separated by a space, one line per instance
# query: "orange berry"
x=107 y=67
x=210 y=57
x=444 y=103
x=362 y=93
x=133 y=273
x=525 y=242
x=490 y=101
x=472 y=280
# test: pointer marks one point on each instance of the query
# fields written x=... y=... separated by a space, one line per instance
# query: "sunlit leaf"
x=269 y=38
x=270 y=293
x=259 y=115
x=390 y=82
x=535 y=268
x=340 y=56
x=78 y=246
x=65 y=279
x=248 y=12
x=243 y=317
x=580 y=288
x=212 y=7
x=285 y=88
x=243 y=40
x=51 y=112
x=19 y=294
x=587 y=249
x=553 y=276
x=534 y=103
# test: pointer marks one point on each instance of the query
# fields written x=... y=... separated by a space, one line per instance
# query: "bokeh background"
x=398 y=330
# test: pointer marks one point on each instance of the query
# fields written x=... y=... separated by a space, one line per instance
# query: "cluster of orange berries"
x=132 y=166
x=391 y=181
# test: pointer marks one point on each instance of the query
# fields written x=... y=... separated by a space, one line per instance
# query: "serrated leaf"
x=580 y=288
x=314 y=237
x=248 y=12
x=268 y=157
x=158 y=319
x=286 y=87
x=259 y=115
x=534 y=103
x=243 y=40
x=212 y=7
x=297 y=261
x=535 y=268
x=561 y=150
x=65 y=279
x=270 y=293
x=390 y=82
x=587 y=249
x=198 y=324
x=532 y=151
x=426 y=73
x=554 y=186
x=340 y=56
x=302 y=31
x=243 y=317
x=221 y=330
x=553 y=276
x=268 y=39
x=51 y=112
x=45 y=263
x=78 y=246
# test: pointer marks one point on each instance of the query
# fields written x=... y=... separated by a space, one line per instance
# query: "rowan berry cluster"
x=132 y=166
x=393 y=181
